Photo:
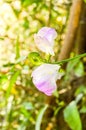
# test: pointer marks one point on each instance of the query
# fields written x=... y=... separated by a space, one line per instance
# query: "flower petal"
x=45 y=76
x=43 y=44
x=48 y=33
x=44 y=39
x=48 y=86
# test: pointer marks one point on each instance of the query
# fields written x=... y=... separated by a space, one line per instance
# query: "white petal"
x=45 y=76
x=48 y=33
x=44 y=39
x=44 y=45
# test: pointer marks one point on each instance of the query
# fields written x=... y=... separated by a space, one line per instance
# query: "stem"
x=50 y=8
x=73 y=24
x=66 y=60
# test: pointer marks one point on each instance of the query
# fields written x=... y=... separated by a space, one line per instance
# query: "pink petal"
x=48 y=33
x=44 y=39
x=45 y=76
x=46 y=87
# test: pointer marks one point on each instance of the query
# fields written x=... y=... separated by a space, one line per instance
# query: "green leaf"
x=70 y=68
x=71 y=65
x=25 y=112
x=29 y=2
x=83 y=109
x=85 y=1
x=71 y=116
x=39 y=118
x=80 y=89
x=12 y=81
x=79 y=69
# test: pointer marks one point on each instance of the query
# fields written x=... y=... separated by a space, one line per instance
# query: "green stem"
x=66 y=60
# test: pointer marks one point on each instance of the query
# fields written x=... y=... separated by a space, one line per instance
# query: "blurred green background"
x=22 y=106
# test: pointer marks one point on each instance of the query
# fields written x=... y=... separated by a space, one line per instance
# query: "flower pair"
x=46 y=75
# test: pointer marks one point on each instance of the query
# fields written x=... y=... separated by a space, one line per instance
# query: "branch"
x=71 y=29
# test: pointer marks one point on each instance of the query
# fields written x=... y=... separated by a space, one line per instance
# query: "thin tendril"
x=66 y=60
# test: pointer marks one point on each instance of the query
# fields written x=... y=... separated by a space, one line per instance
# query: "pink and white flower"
x=45 y=77
x=44 y=39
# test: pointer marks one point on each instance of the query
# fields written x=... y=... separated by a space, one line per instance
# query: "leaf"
x=12 y=81
x=70 y=68
x=25 y=112
x=85 y=1
x=80 y=89
x=71 y=116
x=79 y=69
x=29 y=2
x=71 y=65
x=39 y=118
x=83 y=109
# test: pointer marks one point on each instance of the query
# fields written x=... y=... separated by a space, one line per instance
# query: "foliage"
x=39 y=118
x=71 y=116
x=85 y=1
